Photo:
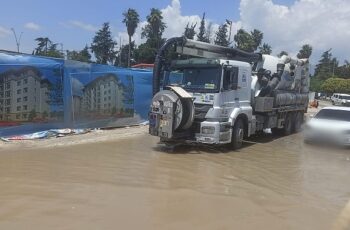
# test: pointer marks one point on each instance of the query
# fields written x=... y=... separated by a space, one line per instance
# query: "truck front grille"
x=201 y=110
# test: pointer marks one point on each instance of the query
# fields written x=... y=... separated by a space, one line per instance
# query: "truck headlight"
x=208 y=130
x=224 y=127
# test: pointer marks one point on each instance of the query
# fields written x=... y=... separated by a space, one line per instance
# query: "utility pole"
x=18 y=41
x=229 y=22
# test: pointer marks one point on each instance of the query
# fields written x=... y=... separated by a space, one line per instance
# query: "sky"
x=287 y=24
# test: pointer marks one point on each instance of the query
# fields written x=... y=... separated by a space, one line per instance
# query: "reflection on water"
x=279 y=184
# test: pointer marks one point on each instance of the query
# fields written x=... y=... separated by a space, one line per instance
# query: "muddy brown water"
x=136 y=184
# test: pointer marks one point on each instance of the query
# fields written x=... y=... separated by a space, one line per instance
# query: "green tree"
x=282 y=53
x=103 y=45
x=344 y=70
x=208 y=32
x=153 y=32
x=257 y=37
x=336 y=85
x=202 y=34
x=305 y=51
x=131 y=20
x=315 y=84
x=243 y=40
x=190 y=31
x=46 y=47
x=145 y=53
x=265 y=49
x=248 y=41
x=123 y=56
x=82 y=55
x=221 y=36
x=326 y=66
x=154 y=29
x=54 y=52
x=43 y=45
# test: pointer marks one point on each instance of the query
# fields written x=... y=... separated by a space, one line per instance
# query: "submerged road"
x=135 y=184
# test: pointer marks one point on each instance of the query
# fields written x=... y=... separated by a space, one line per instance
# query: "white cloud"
x=4 y=32
x=323 y=24
x=81 y=25
x=32 y=26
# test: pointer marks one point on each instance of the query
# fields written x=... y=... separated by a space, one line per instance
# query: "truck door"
x=229 y=86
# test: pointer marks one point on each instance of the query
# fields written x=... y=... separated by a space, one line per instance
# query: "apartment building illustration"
x=102 y=96
x=24 y=95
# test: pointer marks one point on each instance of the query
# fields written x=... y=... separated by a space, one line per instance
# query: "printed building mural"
x=102 y=97
x=24 y=95
x=39 y=93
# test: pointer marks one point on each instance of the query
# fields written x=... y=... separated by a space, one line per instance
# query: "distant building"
x=102 y=96
x=23 y=95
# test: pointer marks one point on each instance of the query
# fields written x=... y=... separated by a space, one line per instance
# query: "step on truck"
x=219 y=95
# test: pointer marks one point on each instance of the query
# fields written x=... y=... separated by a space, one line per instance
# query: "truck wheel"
x=276 y=131
x=237 y=134
x=288 y=124
x=298 y=122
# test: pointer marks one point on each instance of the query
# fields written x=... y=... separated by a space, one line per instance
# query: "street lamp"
x=18 y=41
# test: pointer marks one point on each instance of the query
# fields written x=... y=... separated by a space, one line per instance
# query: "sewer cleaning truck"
x=217 y=95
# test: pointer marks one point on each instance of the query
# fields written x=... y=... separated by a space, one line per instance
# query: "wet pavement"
x=272 y=183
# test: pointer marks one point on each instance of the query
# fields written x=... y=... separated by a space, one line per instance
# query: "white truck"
x=224 y=94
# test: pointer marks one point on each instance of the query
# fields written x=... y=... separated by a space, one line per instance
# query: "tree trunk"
x=129 y=54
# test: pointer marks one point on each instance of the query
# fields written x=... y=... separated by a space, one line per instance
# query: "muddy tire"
x=298 y=121
x=276 y=131
x=288 y=124
x=237 y=134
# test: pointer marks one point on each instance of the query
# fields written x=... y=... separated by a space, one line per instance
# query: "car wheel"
x=237 y=134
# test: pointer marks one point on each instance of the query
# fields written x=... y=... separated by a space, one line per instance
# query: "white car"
x=340 y=99
x=329 y=125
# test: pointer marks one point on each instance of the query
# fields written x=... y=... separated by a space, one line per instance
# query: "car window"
x=344 y=97
x=332 y=114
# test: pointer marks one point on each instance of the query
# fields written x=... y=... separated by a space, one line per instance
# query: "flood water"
x=136 y=184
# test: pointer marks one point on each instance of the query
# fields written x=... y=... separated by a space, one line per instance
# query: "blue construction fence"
x=39 y=93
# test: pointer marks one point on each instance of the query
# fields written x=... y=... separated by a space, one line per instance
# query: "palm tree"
x=43 y=45
x=131 y=20
x=257 y=37
x=305 y=51
x=265 y=49
x=154 y=29
x=282 y=53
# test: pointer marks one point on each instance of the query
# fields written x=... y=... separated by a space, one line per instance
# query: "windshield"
x=196 y=79
x=332 y=114
x=344 y=97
